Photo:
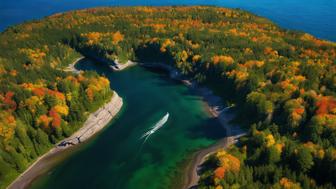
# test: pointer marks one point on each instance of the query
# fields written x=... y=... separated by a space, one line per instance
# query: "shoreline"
x=216 y=109
x=95 y=122
x=121 y=66
x=71 y=67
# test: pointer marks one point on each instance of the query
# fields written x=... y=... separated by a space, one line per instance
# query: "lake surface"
x=317 y=17
x=117 y=158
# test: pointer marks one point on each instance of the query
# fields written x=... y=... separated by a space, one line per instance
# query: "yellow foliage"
x=2 y=70
x=248 y=51
x=165 y=44
x=62 y=109
x=219 y=187
x=184 y=55
x=299 y=78
x=238 y=75
x=254 y=63
x=307 y=37
x=97 y=85
x=279 y=147
x=32 y=102
x=34 y=55
x=68 y=96
x=270 y=140
x=222 y=59
x=270 y=51
x=7 y=125
x=196 y=58
x=288 y=86
x=320 y=154
x=158 y=27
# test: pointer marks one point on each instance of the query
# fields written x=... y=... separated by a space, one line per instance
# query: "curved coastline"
x=95 y=123
x=99 y=119
x=215 y=107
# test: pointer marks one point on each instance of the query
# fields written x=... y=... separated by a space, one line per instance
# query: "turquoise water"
x=313 y=16
x=117 y=158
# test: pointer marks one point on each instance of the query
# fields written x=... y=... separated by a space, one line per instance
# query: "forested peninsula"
x=282 y=83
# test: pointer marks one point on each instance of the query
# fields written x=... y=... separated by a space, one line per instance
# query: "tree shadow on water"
x=209 y=128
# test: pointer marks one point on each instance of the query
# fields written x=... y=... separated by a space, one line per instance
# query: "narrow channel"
x=117 y=157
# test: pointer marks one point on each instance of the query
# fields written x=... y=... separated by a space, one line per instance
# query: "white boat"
x=156 y=127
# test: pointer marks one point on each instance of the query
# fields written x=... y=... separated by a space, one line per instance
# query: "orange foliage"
x=158 y=27
x=318 y=42
x=219 y=172
x=299 y=111
x=89 y=93
x=39 y=91
x=117 y=37
x=44 y=120
x=13 y=73
x=228 y=162
x=288 y=184
x=93 y=37
x=325 y=105
x=270 y=51
x=56 y=118
x=58 y=95
x=8 y=100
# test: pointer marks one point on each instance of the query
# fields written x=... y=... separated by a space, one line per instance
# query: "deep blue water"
x=317 y=17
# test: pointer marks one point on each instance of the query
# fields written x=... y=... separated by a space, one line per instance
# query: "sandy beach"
x=224 y=116
x=71 y=67
x=99 y=119
x=121 y=66
x=95 y=123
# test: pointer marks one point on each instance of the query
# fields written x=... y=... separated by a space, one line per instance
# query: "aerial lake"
x=118 y=157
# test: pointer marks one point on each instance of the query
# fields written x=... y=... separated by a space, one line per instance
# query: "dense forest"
x=282 y=83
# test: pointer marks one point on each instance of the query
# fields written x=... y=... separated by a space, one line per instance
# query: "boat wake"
x=156 y=127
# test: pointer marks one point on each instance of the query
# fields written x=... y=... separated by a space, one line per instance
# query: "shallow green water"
x=116 y=158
